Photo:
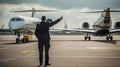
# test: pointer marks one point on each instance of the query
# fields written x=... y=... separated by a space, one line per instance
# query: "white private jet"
x=102 y=27
x=25 y=26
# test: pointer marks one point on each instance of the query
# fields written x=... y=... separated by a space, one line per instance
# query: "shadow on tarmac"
x=13 y=43
x=110 y=42
x=114 y=42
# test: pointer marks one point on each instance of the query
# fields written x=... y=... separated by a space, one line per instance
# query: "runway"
x=65 y=51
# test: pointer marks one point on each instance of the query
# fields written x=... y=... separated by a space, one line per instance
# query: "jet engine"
x=49 y=20
x=117 y=25
x=85 y=25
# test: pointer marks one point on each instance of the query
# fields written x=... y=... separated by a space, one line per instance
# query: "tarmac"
x=65 y=51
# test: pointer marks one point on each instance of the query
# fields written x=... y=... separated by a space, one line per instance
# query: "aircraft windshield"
x=17 y=19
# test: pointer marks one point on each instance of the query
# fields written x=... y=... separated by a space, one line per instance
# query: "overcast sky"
x=67 y=4
x=71 y=5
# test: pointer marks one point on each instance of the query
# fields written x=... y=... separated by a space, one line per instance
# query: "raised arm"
x=56 y=21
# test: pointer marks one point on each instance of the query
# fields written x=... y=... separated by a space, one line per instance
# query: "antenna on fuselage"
x=65 y=25
x=2 y=26
x=34 y=10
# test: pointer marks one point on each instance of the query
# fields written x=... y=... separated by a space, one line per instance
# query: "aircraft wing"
x=114 y=30
x=81 y=30
x=62 y=30
x=86 y=31
x=54 y=30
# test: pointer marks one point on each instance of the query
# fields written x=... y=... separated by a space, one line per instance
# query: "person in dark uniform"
x=42 y=33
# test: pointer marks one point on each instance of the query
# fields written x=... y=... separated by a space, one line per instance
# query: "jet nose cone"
x=15 y=25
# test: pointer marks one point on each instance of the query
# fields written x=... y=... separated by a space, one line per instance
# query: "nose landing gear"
x=25 y=39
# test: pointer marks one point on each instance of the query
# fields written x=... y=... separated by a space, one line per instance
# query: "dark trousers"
x=41 y=45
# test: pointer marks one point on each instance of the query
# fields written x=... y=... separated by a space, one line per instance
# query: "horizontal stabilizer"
x=37 y=11
x=34 y=10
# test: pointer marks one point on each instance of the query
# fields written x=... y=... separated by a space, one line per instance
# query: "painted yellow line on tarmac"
x=27 y=51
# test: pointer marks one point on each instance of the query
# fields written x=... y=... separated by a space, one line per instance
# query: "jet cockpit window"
x=13 y=19
x=17 y=19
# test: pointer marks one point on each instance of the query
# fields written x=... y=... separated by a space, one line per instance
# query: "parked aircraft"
x=102 y=27
x=25 y=26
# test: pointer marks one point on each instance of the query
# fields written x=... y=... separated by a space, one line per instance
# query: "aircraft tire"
x=25 y=40
x=89 y=38
x=111 y=38
x=17 y=40
x=85 y=38
x=107 y=38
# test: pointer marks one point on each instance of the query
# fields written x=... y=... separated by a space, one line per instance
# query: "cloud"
x=17 y=1
x=6 y=14
x=68 y=4
x=73 y=18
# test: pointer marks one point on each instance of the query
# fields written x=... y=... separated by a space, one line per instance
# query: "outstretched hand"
x=61 y=17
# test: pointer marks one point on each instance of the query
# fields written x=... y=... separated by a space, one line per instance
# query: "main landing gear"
x=87 y=37
x=109 y=38
x=25 y=39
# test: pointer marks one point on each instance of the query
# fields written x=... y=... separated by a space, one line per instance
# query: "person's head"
x=43 y=18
